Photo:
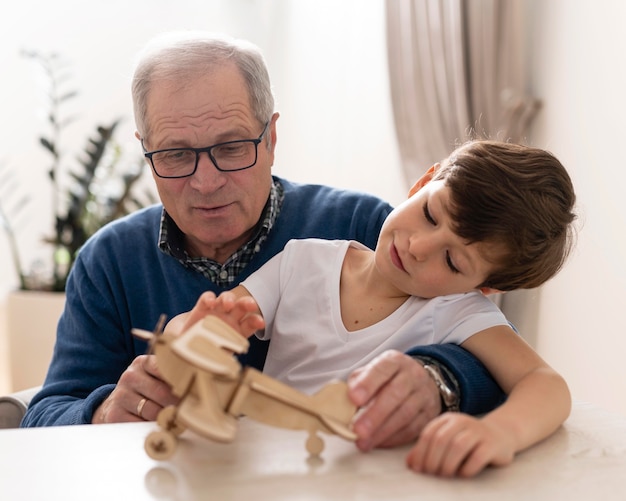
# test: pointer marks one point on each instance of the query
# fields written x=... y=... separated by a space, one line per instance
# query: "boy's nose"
x=421 y=247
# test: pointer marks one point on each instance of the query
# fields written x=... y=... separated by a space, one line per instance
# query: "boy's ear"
x=488 y=290
x=424 y=180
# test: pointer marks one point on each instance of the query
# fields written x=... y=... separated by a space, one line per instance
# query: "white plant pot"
x=32 y=318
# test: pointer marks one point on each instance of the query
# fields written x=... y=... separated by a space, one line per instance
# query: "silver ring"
x=140 y=405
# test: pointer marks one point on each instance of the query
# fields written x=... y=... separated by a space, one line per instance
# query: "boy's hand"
x=456 y=444
x=241 y=313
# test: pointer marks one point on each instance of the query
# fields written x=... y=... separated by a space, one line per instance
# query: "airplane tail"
x=335 y=409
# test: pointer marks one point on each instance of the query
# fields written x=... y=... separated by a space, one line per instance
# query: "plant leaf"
x=48 y=145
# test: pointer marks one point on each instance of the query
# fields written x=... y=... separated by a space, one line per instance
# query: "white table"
x=585 y=459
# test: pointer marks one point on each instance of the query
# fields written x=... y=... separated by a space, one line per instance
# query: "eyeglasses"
x=230 y=156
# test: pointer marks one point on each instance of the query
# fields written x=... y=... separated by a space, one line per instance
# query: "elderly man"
x=205 y=119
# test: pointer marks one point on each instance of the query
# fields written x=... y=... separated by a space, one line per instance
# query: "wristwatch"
x=449 y=398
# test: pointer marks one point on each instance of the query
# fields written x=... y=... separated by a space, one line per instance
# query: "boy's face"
x=421 y=255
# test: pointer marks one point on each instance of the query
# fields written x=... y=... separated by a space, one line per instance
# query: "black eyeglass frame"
x=207 y=149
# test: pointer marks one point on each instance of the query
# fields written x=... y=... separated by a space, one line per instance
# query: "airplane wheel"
x=314 y=444
x=160 y=445
x=167 y=420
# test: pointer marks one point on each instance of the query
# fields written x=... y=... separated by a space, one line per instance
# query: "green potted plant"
x=79 y=208
x=82 y=200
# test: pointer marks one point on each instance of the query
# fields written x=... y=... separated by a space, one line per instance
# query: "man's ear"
x=272 y=134
x=272 y=127
x=424 y=180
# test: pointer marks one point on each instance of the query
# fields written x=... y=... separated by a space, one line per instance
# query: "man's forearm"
x=478 y=392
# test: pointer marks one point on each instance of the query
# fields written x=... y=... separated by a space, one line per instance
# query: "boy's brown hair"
x=519 y=201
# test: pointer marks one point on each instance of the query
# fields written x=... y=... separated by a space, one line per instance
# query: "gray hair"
x=178 y=56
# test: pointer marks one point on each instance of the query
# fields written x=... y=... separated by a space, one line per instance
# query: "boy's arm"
x=470 y=444
x=530 y=383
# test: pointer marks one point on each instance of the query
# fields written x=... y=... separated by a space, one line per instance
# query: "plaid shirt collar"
x=172 y=243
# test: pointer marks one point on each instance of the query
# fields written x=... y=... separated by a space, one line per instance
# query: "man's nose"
x=207 y=176
x=205 y=161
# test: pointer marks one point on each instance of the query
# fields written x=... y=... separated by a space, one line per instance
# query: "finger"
x=420 y=402
x=402 y=406
x=475 y=461
x=204 y=304
x=249 y=320
x=141 y=380
x=178 y=324
x=491 y=448
x=121 y=405
x=110 y=411
x=226 y=300
x=245 y=307
x=451 y=439
x=366 y=382
x=202 y=307
x=147 y=410
x=370 y=420
x=153 y=386
x=147 y=364
x=383 y=418
x=247 y=304
x=431 y=446
x=402 y=427
x=461 y=447
x=415 y=457
x=251 y=324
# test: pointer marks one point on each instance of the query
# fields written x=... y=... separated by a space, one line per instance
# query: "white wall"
x=579 y=72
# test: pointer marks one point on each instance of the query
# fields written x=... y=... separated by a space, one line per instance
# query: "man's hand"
x=140 y=394
x=397 y=398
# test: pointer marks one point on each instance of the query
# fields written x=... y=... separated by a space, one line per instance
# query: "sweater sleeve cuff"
x=93 y=401
x=49 y=409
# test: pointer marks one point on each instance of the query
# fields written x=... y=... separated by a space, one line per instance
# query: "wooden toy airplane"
x=215 y=390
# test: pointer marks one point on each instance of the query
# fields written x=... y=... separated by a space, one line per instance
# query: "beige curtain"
x=456 y=72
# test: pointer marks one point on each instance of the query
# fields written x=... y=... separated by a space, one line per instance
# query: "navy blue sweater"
x=121 y=280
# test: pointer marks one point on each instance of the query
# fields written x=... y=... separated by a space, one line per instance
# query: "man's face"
x=217 y=211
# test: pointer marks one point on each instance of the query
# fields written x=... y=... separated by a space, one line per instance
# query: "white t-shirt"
x=298 y=294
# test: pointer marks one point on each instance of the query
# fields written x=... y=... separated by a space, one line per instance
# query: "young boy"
x=491 y=217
